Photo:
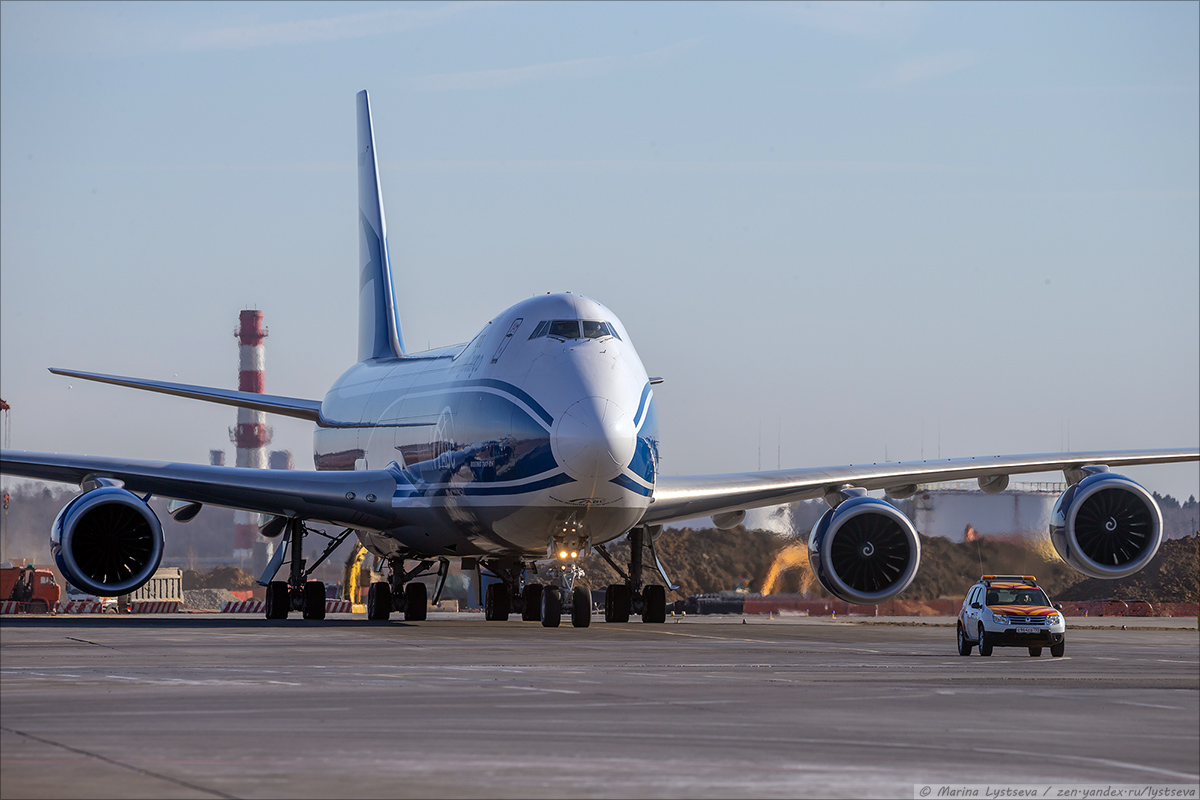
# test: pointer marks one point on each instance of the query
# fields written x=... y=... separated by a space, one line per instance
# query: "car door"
x=971 y=613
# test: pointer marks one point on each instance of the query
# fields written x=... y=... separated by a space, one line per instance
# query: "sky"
x=842 y=233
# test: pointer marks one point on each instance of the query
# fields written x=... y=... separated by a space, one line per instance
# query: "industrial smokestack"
x=251 y=435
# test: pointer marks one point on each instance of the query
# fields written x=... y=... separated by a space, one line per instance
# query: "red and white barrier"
x=154 y=607
x=9 y=607
x=260 y=607
x=244 y=607
x=81 y=607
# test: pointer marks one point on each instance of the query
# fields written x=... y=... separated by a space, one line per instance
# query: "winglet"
x=378 y=322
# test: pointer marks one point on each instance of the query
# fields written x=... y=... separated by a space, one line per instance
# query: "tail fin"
x=378 y=322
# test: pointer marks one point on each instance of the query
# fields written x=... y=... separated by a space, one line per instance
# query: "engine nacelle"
x=107 y=541
x=1106 y=526
x=864 y=551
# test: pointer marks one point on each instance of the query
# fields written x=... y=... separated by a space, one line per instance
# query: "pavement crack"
x=97 y=644
x=121 y=764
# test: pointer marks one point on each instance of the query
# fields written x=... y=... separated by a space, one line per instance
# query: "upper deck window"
x=574 y=329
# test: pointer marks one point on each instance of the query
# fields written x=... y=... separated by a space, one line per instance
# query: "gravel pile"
x=207 y=599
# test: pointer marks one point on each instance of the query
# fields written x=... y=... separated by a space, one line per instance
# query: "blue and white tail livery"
x=521 y=451
x=378 y=325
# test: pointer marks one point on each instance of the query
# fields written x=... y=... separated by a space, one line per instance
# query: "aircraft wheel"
x=1034 y=652
x=964 y=644
x=495 y=603
x=1057 y=650
x=279 y=603
x=551 y=607
x=416 y=600
x=985 y=644
x=314 y=600
x=379 y=601
x=617 y=603
x=654 y=603
x=533 y=603
x=581 y=607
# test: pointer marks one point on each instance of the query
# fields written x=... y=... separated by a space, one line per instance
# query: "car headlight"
x=1000 y=619
x=1053 y=619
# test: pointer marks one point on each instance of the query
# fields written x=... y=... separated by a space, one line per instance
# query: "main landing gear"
x=404 y=594
x=297 y=593
x=621 y=600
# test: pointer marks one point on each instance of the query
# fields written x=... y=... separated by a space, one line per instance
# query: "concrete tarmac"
x=236 y=706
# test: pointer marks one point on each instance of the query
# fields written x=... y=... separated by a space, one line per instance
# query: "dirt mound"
x=1172 y=577
x=207 y=599
x=702 y=561
x=218 y=578
x=707 y=560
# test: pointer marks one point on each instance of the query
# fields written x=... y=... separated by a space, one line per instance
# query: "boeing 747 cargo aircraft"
x=518 y=453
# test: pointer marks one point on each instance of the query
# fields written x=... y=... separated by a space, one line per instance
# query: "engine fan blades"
x=869 y=553
x=1113 y=526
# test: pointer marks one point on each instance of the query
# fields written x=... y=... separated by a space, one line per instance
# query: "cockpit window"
x=571 y=329
x=564 y=328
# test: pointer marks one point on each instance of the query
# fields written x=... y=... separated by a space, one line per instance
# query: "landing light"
x=562 y=554
x=574 y=554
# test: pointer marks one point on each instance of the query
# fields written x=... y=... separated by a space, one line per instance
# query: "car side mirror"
x=976 y=605
x=1058 y=606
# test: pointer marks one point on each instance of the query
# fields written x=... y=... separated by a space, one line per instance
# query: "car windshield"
x=1019 y=596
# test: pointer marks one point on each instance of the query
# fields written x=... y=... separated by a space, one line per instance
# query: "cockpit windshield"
x=574 y=329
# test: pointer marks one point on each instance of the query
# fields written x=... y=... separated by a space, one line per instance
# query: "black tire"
x=416 y=600
x=617 y=603
x=1057 y=650
x=551 y=607
x=985 y=644
x=964 y=644
x=654 y=603
x=533 y=603
x=1034 y=652
x=495 y=603
x=581 y=607
x=314 y=600
x=279 y=602
x=379 y=601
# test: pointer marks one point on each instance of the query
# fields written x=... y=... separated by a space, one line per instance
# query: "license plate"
x=1029 y=630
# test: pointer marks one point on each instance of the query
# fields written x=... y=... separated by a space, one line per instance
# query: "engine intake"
x=1106 y=526
x=864 y=551
x=107 y=541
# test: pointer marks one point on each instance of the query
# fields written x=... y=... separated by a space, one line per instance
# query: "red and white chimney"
x=251 y=434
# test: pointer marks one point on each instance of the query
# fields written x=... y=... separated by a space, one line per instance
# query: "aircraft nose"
x=594 y=439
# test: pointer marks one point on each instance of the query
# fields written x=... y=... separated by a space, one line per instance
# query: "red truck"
x=35 y=589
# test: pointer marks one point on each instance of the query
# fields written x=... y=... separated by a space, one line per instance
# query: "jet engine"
x=1106 y=526
x=864 y=551
x=107 y=541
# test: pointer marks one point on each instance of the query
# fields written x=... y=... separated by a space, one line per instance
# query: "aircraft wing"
x=679 y=498
x=273 y=403
x=320 y=496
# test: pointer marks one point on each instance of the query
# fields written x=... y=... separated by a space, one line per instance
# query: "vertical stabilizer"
x=378 y=322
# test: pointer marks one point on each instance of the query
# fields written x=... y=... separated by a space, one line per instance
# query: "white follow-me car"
x=1010 y=611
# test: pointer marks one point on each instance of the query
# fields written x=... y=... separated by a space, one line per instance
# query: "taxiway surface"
x=225 y=706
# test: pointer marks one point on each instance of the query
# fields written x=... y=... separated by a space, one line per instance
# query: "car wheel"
x=985 y=644
x=1035 y=651
x=964 y=644
x=1057 y=650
